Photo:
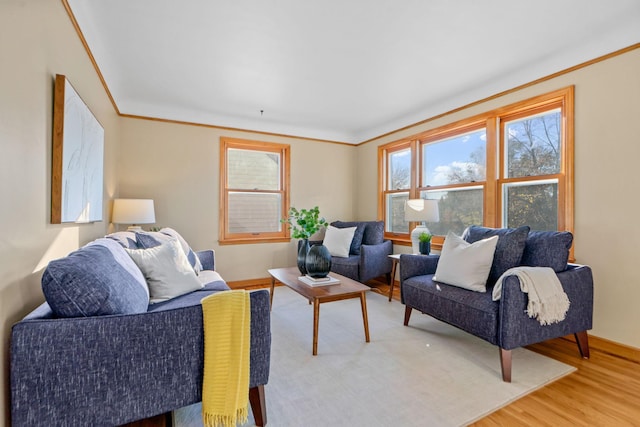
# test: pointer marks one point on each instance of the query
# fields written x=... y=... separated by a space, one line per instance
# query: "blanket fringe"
x=219 y=420
x=554 y=311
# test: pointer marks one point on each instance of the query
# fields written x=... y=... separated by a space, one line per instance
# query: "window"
x=532 y=169
x=508 y=167
x=454 y=172
x=398 y=164
x=254 y=191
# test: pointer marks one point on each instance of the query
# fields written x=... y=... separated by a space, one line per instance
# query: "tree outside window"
x=533 y=149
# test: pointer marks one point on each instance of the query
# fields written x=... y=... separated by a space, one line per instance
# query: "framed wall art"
x=77 y=158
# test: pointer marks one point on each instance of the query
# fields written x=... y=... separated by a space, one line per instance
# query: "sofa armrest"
x=207 y=259
x=417 y=265
x=374 y=260
x=260 y=358
x=518 y=329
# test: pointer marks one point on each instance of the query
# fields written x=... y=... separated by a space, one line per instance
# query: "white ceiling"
x=340 y=70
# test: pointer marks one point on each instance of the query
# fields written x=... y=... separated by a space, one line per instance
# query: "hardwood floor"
x=604 y=391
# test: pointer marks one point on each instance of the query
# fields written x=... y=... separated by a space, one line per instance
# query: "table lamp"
x=134 y=212
x=420 y=211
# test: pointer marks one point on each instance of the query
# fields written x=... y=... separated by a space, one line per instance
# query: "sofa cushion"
x=122 y=257
x=166 y=269
x=126 y=238
x=191 y=255
x=466 y=265
x=357 y=236
x=338 y=240
x=509 y=250
x=93 y=282
x=474 y=312
x=151 y=239
x=373 y=233
x=548 y=249
x=348 y=267
x=209 y=276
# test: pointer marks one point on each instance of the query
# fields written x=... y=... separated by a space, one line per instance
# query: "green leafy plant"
x=424 y=237
x=304 y=223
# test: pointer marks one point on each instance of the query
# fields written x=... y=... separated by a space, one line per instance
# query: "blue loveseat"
x=505 y=322
x=108 y=357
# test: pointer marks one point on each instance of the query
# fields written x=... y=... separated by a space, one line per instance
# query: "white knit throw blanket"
x=547 y=301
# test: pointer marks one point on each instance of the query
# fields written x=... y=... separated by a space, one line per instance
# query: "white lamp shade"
x=133 y=211
x=419 y=210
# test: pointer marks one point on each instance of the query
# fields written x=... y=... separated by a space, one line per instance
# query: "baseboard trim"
x=614 y=348
x=261 y=282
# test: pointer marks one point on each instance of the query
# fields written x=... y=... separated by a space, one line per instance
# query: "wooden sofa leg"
x=505 y=364
x=582 y=339
x=407 y=315
x=258 y=405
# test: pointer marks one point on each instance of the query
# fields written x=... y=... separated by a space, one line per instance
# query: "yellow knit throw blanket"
x=225 y=386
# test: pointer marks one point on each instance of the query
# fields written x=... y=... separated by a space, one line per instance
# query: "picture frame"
x=77 y=160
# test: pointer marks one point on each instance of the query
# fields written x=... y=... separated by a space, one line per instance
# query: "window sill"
x=436 y=244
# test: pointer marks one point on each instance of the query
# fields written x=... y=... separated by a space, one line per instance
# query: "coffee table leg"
x=273 y=288
x=316 y=319
x=365 y=319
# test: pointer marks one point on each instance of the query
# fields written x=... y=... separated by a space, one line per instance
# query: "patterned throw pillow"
x=127 y=239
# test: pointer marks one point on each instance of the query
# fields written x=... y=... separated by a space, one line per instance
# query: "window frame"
x=494 y=124
x=384 y=153
x=225 y=236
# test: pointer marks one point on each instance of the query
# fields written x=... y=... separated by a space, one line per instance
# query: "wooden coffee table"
x=347 y=288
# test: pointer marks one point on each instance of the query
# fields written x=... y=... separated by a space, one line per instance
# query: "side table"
x=395 y=259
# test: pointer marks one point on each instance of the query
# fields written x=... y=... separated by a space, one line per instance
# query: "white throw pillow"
x=166 y=269
x=466 y=265
x=338 y=240
x=191 y=255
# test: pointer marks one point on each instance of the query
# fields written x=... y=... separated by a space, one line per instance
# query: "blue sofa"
x=119 y=363
x=504 y=322
x=369 y=253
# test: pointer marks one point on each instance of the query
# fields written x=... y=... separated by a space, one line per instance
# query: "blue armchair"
x=504 y=322
x=369 y=253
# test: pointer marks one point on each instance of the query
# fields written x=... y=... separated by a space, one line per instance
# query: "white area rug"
x=427 y=374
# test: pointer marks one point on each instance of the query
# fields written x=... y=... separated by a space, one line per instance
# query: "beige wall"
x=37 y=40
x=178 y=166
x=607 y=153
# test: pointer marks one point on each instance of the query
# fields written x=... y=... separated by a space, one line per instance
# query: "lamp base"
x=134 y=228
x=415 y=241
